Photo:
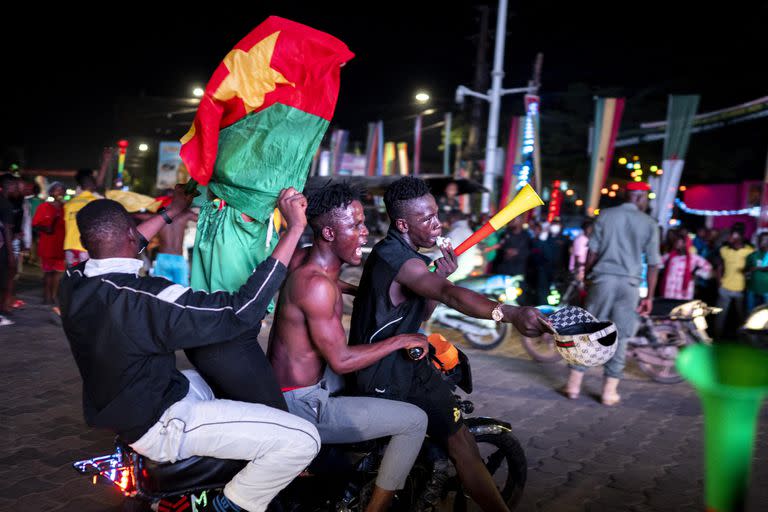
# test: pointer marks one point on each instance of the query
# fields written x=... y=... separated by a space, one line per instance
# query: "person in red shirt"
x=49 y=222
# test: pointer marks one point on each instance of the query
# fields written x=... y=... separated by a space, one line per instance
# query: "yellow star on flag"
x=250 y=76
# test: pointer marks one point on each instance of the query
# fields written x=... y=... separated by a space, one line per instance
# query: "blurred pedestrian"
x=515 y=246
x=74 y=252
x=579 y=250
x=621 y=236
x=49 y=223
x=10 y=193
x=459 y=232
x=680 y=264
x=733 y=281
x=757 y=274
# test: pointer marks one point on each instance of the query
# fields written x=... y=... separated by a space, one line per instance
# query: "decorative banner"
x=123 y=145
x=513 y=160
x=339 y=140
x=701 y=123
x=168 y=164
x=402 y=158
x=532 y=104
x=608 y=112
x=680 y=113
x=380 y=148
x=389 y=158
x=370 y=150
x=417 y=145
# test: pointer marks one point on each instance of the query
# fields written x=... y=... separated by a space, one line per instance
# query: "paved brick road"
x=642 y=456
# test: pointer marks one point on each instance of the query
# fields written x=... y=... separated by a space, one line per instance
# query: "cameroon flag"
x=260 y=122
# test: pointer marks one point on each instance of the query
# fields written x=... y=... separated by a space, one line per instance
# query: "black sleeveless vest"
x=375 y=318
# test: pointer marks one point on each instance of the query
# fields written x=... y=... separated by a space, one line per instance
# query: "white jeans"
x=278 y=444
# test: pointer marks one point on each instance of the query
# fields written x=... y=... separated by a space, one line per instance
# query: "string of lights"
x=754 y=211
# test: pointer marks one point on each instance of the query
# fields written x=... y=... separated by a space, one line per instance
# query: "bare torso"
x=294 y=357
x=172 y=235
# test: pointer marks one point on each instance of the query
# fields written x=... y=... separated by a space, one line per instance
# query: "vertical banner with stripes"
x=513 y=160
x=402 y=158
x=370 y=150
x=680 y=113
x=608 y=113
x=380 y=148
x=389 y=158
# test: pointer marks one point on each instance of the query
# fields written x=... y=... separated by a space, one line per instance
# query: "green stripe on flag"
x=263 y=153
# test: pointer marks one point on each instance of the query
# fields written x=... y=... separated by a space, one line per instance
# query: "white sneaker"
x=4 y=321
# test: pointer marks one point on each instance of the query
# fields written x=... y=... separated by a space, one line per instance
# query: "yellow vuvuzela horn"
x=525 y=200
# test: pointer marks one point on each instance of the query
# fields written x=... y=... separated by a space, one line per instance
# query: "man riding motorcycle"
x=123 y=330
x=308 y=337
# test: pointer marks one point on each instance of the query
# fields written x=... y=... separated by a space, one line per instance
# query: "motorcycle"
x=671 y=325
x=340 y=479
x=481 y=333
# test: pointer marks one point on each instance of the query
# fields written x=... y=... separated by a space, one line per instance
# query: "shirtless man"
x=308 y=335
x=170 y=262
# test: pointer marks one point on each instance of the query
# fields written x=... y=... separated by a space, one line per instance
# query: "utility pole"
x=493 y=97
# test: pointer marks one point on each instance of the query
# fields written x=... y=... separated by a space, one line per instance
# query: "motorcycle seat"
x=163 y=478
x=663 y=307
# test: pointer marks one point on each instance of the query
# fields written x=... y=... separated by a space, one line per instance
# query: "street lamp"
x=143 y=147
x=198 y=92
x=421 y=97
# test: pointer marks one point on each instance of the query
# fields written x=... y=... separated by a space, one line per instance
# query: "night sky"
x=66 y=70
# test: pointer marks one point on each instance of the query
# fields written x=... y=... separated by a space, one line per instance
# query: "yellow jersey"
x=734 y=261
x=71 y=207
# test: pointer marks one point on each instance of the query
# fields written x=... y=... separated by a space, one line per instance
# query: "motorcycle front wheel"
x=487 y=341
x=658 y=362
x=505 y=459
x=541 y=349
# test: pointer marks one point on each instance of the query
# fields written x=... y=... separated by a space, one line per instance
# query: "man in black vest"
x=397 y=293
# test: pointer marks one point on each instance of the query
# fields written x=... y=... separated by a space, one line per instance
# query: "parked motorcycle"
x=671 y=325
x=481 y=333
x=340 y=479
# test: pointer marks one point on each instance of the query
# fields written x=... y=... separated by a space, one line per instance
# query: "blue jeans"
x=614 y=298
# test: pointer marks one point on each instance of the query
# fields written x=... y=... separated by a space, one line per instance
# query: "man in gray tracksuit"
x=614 y=265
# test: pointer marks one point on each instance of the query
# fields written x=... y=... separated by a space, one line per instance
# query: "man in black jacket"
x=123 y=330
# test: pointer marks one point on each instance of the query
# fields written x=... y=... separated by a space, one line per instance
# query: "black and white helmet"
x=581 y=338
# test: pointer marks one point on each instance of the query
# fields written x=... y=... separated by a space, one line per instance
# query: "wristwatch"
x=164 y=212
x=497 y=314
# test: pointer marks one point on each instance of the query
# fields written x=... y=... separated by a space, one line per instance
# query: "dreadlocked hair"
x=400 y=192
x=325 y=201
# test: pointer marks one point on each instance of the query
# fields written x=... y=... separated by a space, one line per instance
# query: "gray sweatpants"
x=614 y=298
x=351 y=419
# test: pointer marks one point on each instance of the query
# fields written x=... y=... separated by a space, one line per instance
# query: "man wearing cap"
x=614 y=266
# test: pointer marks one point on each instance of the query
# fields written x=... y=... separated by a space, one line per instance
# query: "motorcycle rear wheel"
x=505 y=459
x=487 y=342
x=666 y=372
x=541 y=349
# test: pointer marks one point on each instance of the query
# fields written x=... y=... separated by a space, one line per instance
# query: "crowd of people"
x=41 y=229
x=292 y=395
